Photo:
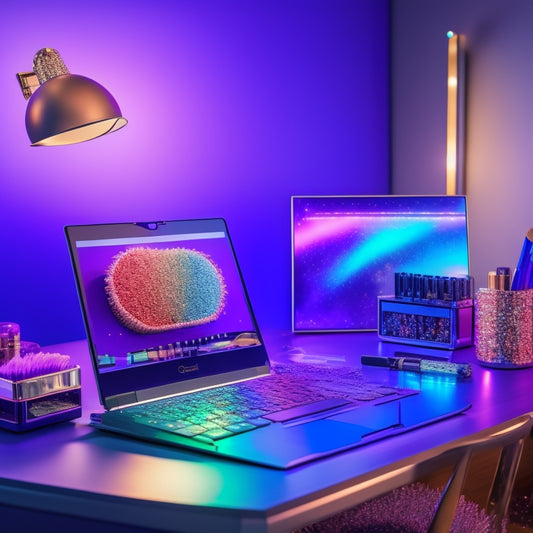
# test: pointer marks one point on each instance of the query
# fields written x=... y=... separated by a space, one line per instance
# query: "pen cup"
x=504 y=328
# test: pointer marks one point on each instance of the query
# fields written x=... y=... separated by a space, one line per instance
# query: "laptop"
x=179 y=358
x=346 y=247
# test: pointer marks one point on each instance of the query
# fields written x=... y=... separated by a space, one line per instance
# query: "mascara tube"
x=398 y=284
x=422 y=366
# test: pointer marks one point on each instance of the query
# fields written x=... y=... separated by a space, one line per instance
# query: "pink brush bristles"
x=34 y=364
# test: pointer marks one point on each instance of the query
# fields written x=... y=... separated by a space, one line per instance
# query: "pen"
x=461 y=370
x=524 y=269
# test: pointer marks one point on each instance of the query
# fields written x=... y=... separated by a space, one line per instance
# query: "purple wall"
x=499 y=113
x=233 y=106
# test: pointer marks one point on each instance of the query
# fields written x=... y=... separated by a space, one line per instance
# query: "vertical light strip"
x=455 y=183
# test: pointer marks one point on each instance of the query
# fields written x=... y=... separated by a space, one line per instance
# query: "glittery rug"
x=408 y=509
x=521 y=510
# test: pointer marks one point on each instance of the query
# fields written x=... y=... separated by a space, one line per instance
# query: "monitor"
x=346 y=249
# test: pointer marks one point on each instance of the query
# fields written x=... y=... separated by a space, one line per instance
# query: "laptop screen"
x=165 y=307
x=346 y=250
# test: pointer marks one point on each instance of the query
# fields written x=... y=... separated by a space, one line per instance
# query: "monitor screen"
x=346 y=249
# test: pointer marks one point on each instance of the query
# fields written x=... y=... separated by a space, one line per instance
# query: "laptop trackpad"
x=285 y=446
x=375 y=418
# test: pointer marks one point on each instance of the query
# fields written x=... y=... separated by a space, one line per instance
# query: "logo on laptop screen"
x=185 y=369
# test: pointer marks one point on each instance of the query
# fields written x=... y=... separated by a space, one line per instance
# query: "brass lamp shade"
x=65 y=108
x=69 y=109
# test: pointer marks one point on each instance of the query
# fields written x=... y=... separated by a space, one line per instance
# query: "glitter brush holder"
x=504 y=328
x=41 y=400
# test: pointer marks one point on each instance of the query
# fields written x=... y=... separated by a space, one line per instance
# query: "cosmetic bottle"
x=9 y=341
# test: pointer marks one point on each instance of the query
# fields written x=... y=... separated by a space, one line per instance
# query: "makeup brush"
x=34 y=364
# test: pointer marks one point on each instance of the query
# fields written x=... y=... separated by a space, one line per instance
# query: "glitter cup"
x=504 y=328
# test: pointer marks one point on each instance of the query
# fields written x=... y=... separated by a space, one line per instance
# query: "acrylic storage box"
x=435 y=324
x=40 y=400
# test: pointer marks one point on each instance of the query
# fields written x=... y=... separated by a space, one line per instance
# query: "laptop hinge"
x=119 y=400
x=174 y=389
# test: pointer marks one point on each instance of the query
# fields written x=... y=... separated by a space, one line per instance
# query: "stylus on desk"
x=462 y=370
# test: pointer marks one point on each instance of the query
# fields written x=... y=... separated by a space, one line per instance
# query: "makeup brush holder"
x=504 y=328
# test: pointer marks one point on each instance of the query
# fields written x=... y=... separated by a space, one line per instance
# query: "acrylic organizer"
x=431 y=311
x=40 y=400
x=504 y=328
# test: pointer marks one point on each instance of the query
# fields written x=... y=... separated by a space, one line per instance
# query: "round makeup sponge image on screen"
x=155 y=290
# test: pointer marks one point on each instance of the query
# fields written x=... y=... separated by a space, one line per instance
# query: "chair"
x=417 y=508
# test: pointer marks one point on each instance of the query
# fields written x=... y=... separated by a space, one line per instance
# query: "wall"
x=233 y=106
x=499 y=113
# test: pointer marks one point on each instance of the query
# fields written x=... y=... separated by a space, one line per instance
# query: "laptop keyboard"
x=290 y=392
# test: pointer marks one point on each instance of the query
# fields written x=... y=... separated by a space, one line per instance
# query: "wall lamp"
x=455 y=179
x=65 y=108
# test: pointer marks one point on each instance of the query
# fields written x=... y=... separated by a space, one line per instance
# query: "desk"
x=72 y=470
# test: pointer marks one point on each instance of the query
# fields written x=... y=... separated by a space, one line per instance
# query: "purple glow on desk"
x=487 y=380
